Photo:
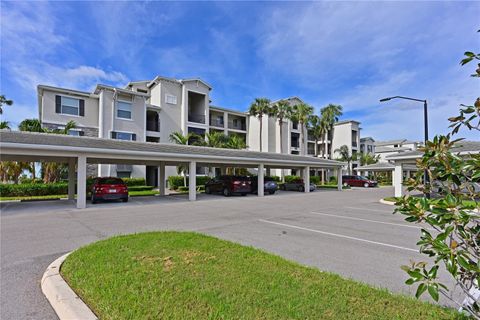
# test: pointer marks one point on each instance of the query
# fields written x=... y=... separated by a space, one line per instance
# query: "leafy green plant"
x=455 y=243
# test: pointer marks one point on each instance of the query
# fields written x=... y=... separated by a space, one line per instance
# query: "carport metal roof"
x=28 y=146
x=382 y=166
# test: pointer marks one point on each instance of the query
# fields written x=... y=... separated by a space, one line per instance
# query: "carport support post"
x=339 y=179
x=192 y=181
x=161 y=178
x=306 y=179
x=397 y=178
x=260 y=180
x=81 y=182
x=71 y=179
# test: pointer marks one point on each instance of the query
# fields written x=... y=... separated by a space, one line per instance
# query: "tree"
x=178 y=138
x=368 y=158
x=5 y=125
x=235 y=142
x=318 y=130
x=330 y=115
x=31 y=125
x=301 y=113
x=455 y=244
x=282 y=111
x=215 y=139
x=259 y=108
x=345 y=156
x=4 y=101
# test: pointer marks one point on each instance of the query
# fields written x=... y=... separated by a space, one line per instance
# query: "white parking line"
x=338 y=235
x=374 y=210
x=367 y=220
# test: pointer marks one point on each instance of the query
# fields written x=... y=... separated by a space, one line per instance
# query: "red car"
x=358 y=181
x=228 y=185
x=109 y=188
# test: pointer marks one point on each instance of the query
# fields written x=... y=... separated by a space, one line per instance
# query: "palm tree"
x=31 y=125
x=368 y=158
x=5 y=125
x=215 y=139
x=318 y=128
x=4 y=101
x=330 y=115
x=345 y=155
x=179 y=138
x=235 y=142
x=301 y=114
x=259 y=108
x=281 y=110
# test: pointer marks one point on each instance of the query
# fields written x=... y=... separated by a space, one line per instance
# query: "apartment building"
x=387 y=148
x=367 y=145
x=149 y=111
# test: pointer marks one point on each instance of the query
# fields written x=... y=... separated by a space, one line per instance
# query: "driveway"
x=348 y=233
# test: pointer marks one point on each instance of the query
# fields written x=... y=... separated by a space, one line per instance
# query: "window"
x=123 y=174
x=124 y=136
x=171 y=99
x=124 y=110
x=69 y=106
x=76 y=133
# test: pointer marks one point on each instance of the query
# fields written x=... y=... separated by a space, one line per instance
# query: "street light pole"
x=426 y=178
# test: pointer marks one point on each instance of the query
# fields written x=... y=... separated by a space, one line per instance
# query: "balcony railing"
x=238 y=126
x=198 y=118
x=216 y=122
x=295 y=144
x=153 y=126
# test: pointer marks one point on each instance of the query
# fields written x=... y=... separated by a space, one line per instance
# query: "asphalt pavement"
x=349 y=233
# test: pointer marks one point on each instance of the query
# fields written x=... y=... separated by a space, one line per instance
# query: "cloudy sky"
x=348 y=53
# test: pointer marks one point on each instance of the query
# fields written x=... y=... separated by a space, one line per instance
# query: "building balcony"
x=197 y=118
x=237 y=126
x=153 y=126
x=216 y=122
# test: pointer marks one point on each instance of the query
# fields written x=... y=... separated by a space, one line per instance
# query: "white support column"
x=306 y=179
x=81 y=182
x=261 y=181
x=71 y=179
x=267 y=172
x=192 y=181
x=408 y=174
x=397 y=178
x=161 y=178
x=339 y=179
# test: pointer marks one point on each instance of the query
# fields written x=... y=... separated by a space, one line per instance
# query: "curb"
x=390 y=203
x=63 y=299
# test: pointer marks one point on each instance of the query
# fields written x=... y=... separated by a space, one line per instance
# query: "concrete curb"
x=63 y=299
x=390 y=203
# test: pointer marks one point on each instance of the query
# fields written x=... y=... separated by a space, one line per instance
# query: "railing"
x=241 y=126
x=198 y=118
x=153 y=126
x=216 y=122
x=295 y=144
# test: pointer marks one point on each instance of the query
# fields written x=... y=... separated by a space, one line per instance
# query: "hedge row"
x=174 y=182
x=32 y=189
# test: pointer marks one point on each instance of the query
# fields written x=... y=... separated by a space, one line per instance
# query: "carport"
x=80 y=151
x=387 y=167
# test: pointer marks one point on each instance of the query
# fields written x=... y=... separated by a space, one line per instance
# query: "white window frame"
x=74 y=130
x=77 y=106
x=173 y=99
x=125 y=132
x=118 y=109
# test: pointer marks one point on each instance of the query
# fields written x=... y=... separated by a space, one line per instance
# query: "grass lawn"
x=180 y=275
x=60 y=196
x=468 y=203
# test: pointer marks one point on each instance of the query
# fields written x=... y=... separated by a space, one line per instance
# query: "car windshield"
x=362 y=178
x=110 y=181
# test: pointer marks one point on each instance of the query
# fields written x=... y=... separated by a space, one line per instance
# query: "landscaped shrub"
x=33 y=189
x=333 y=179
x=25 y=180
x=182 y=189
x=134 y=181
x=289 y=179
x=315 y=179
x=140 y=188
x=174 y=182
x=275 y=178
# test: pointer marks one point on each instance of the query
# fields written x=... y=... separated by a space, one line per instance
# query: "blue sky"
x=348 y=53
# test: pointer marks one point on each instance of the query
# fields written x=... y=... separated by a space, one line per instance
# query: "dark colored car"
x=229 y=185
x=109 y=188
x=358 y=181
x=269 y=185
x=296 y=185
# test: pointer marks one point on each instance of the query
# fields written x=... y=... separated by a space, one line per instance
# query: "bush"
x=315 y=179
x=289 y=179
x=25 y=180
x=140 y=188
x=174 y=182
x=275 y=178
x=33 y=189
x=182 y=189
x=333 y=179
x=130 y=182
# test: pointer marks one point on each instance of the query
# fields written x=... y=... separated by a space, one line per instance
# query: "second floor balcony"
x=197 y=118
x=237 y=125
x=216 y=122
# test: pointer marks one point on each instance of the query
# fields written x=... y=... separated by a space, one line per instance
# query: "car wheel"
x=366 y=185
x=345 y=184
x=226 y=192
x=301 y=189
x=207 y=190
x=244 y=194
x=93 y=199
x=272 y=192
x=125 y=200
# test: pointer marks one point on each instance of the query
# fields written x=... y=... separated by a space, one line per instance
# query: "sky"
x=347 y=53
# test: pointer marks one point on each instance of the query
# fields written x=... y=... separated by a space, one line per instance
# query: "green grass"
x=469 y=203
x=59 y=196
x=179 y=275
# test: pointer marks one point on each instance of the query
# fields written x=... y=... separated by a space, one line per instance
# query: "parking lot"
x=349 y=233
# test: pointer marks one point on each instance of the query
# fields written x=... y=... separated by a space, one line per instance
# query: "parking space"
x=349 y=233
